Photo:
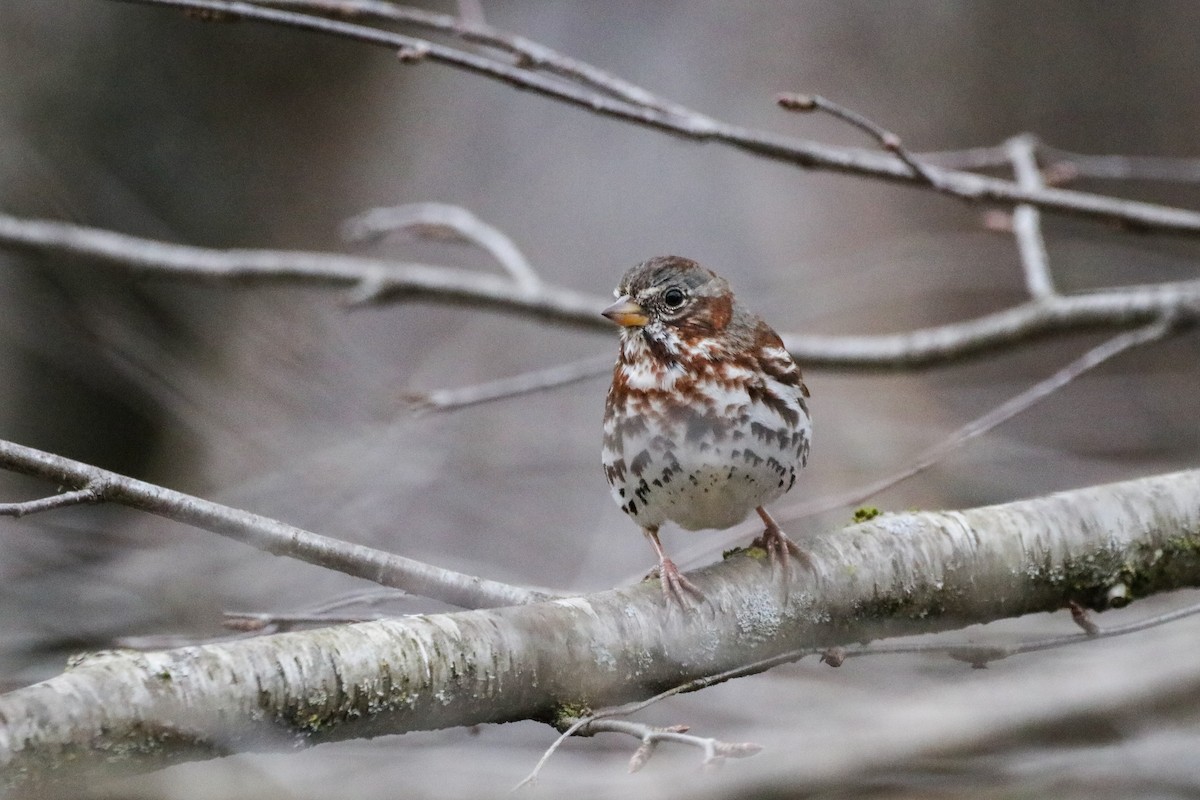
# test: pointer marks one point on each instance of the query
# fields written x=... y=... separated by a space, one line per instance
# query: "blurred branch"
x=448 y=223
x=979 y=655
x=1027 y=220
x=513 y=386
x=894 y=575
x=981 y=425
x=691 y=125
x=272 y=536
x=382 y=281
x=529 y=55
x=264 y=622
x=1064 y=166
x=377 y=279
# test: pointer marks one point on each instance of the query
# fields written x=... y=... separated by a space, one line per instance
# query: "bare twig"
x=978 y=655
x=319 y=613
x=270 y=535
x=579 y=723
x=383 y=280
x=969 y=158
x=1027 y=220
x=529 y=55
x=888 y=140
x=263 y=622
x=444 y=221
x=964 y=185
x=1067 y=166
x=90 y=493
x=981 y=425
x=650 y=736
x=514 y=386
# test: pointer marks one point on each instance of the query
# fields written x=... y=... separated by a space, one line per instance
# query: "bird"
x=707 y=417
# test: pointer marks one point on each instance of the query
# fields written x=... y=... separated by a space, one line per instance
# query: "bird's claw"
x=675 y=584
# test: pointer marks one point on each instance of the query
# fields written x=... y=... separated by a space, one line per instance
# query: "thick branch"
x=272 y=536
x=895 y=575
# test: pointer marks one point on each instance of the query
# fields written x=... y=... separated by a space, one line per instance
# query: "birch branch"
x=894 y=575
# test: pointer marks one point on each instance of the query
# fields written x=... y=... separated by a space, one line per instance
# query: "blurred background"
x=283 y=401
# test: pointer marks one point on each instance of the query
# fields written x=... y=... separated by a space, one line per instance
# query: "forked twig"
x=445 y=222
x=888 y=140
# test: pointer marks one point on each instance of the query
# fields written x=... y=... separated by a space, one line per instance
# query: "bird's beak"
x=626 y=313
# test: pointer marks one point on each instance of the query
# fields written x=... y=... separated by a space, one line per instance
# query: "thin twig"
x=263 y=622
x=90 y=493
x=888 y=140
x=1066 y=166
x=513 y=386
x=799 y=152
x=650 y=736
x=318 y=613
x=272 y=536
x=1027 y=220
x=529 y=54
x=980 y=654
x=968 y=158
x=445 y=222
x=981 y=425
x=638 y=705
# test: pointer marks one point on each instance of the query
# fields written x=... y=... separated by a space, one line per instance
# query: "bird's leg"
x=779 y=546
x=674 y=584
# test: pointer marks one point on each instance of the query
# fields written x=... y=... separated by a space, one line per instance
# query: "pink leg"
x=779 y=546
x=674 y=584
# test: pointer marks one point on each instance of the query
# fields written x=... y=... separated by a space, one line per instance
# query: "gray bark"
x=896 y=574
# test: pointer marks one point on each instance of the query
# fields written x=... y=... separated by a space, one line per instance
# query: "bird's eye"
x=673 y=297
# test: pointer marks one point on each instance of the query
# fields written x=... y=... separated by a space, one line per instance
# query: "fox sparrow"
x=707 y=416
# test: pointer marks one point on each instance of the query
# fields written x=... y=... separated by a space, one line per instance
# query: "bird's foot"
x=780 y=549
x=675 y=584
